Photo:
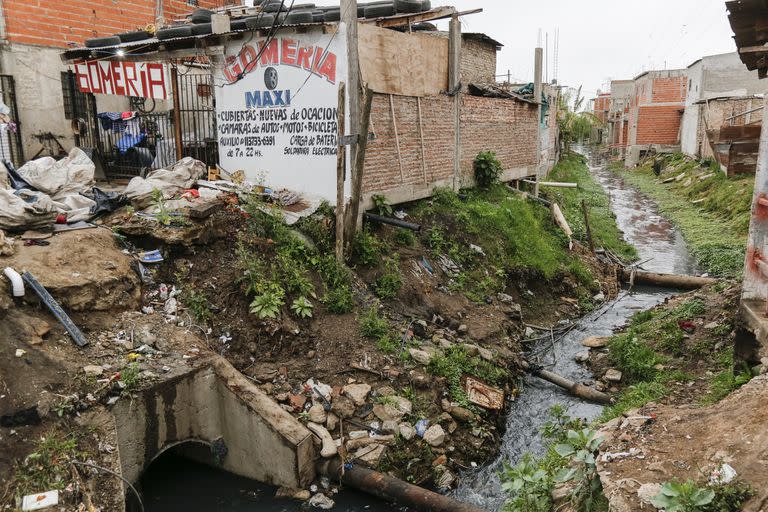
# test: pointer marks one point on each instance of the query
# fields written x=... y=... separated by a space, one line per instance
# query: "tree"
x=574 y=124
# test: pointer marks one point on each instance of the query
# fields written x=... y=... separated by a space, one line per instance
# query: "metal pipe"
x=667 y=280
x=743 y=113
x=392 y=222
x=575 y=388
x=562 y=184
x=391 y=488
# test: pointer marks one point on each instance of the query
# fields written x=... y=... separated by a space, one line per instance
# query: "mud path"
x=662 y=249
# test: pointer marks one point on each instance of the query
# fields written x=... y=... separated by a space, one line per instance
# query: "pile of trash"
x=45 y=190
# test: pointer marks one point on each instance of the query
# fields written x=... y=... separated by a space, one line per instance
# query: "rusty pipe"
x=390 y=488
x=575 y=388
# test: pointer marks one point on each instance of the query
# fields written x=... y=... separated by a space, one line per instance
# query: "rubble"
x=434 y=435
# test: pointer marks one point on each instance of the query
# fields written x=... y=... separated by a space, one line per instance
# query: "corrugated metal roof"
x=749 y=22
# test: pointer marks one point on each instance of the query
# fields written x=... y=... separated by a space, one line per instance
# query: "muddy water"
x=181 y=485
x=663 y=250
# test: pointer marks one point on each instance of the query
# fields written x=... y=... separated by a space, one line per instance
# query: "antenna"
x=557 y=47
x=546 y=60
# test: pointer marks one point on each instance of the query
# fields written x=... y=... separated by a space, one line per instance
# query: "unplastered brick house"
x=600 y=107
x=618 y=115
x=655 y=112
x=33 y=34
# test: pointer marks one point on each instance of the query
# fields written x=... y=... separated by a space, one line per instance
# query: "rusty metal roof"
x=749 y=22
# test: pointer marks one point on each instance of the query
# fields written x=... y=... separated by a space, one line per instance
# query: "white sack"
x=170 y=182
x=70 y=175
x=15 y=213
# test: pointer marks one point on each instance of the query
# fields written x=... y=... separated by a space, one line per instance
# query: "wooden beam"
x=406 y=19
x=340 y=163
x=397 y=138
x=753 y=49
x=176 y=111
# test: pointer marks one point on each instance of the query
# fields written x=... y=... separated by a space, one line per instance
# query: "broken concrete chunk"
x=581 y=357
x=612 y=375
x=358 y=434
x=420 y=356
x=317 y=414
x=595 y=341
x=647 y=492
x=357 y=392
x=407 y=431
x=435 y=435
x=331 y=421
x=343 y=406
x=393 y=408
x=92 y=370
x=370 y=455
x=294 y=494
x=329 y=445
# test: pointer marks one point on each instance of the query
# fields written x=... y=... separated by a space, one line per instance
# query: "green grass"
x=715 y=227
x=455 y=362
x=48 y=467
x=605 y=233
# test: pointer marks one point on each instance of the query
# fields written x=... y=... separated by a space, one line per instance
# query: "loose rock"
x=407 y=431
x=357 y=392
x=595 y=341
x=612 y=375
x=435 y=435
x=317 y=414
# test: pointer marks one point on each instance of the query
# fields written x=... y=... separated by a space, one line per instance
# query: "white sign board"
x=276 y=109
x=140 y=79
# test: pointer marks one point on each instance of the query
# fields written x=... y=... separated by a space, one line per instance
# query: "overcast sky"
x=600 y=39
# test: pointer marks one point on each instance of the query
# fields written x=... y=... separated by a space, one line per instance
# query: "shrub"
x=390 y=282
x=487 y=169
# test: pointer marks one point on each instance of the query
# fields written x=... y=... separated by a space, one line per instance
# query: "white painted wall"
x=689 y=143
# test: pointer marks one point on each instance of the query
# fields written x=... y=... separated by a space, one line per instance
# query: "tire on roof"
x=426 y=5
x=97 y=42
x=274 y=7
x=201 y=16
x=318 y=16
x=201 y=28
x=295 y=17
x=171 y=32
x=332 y=15
x=303 y=7
x=264 y=20
x=408 y=6
x=377 y=11
x=136 y=35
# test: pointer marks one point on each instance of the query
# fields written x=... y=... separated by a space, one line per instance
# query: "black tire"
x=136 y=35
x=171 y=32
x=297 y=17
x=426 y=5
x=240 y=24
x=377 y=11
x=98 y=42
x=274 y=7
x=332 y=15
x=201 y=16
x=423 y=27
x=302 y=7
x=262 y=21
x=408 y=6
x=201 y=28
x=317 y=16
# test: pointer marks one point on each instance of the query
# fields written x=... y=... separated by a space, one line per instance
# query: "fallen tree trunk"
x=391 y=488
x=666 y=280
x=576 y=389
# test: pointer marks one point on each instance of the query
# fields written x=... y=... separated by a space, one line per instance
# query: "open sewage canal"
x=173 y=483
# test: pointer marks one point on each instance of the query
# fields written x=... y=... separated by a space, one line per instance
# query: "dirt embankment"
x=383 y=362
x=682 y=409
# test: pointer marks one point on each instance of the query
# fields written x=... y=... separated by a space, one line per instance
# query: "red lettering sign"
x=142 y=79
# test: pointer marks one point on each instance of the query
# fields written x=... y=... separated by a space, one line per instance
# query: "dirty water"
x=662 y=249
x=178 y=484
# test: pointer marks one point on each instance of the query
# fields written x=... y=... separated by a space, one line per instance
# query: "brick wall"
x=658 y=124
x=478 y=61
x=669 y=90
x=508 y=127
x=42 y=22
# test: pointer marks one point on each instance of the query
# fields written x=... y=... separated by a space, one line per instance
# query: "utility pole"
x=349 y=17
x=537 y=87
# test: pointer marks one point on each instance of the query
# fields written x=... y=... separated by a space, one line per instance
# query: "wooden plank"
x=397 y=138
x=404 y=64
x=340 y=163
x=400 y=20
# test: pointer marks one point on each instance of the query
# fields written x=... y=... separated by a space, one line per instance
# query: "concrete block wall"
x=508 y=127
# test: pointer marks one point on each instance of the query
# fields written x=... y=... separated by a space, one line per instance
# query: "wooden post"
x=421 y=140
x=176 y=111
x=353 y=219
x=397 y=137
x=349 y=17
x=585 y=209
x=454 y=85
x=340 y=163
